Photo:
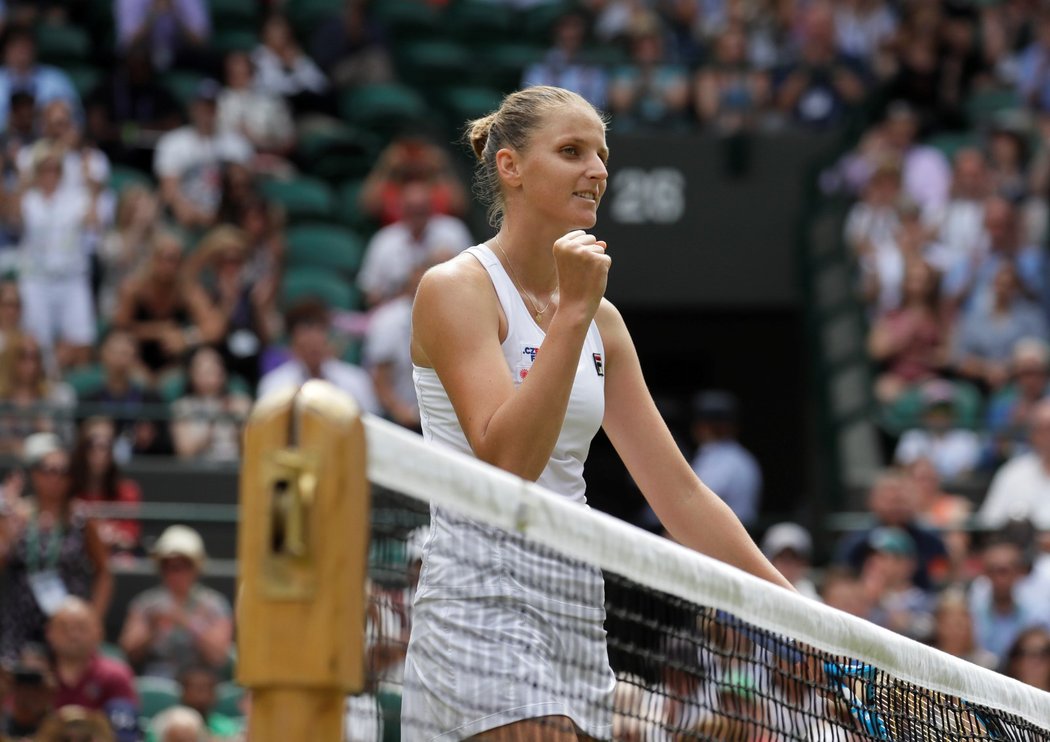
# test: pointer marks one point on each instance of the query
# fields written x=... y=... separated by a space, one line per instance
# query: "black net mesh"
x=516 y=642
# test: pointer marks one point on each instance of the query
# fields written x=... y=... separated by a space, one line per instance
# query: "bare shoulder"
x=455 y=301
x=611 y=325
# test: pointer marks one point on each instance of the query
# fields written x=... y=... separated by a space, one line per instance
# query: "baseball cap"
x=783 y=536
x=180 y=541
x=714 y=404
x=892 y=540
x=39 y=445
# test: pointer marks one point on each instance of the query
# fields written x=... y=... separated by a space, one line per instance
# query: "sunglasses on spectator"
x=176 y=565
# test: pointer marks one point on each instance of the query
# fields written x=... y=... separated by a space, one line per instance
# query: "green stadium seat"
x=305 y=15
x=405 y=20
x=349 y=206
x=385 y=107
x=462 y=104
x=156 y=695
x=302 y=198
x=182 y=84
x=234 y=39
x=426 y=63
x=479 y=20
x=85 y=379
x=228 y=697
x=906 y=412
x=107 y=649
x=983 y=106
x=84 y=77
x=502 y=65
x=324 y=246
x=336 y=153
x=173 y=385
x=538 y=21
x=234 y=14
x=950 y=142
x=60 y=44
x=120 y=177
x=317 y=283
x=390 y=707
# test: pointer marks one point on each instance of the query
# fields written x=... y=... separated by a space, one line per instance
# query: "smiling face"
x=562 y=172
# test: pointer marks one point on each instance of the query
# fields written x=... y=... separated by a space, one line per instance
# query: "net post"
x=302 y=553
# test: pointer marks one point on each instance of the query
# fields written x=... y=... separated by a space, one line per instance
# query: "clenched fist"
x=583 y=272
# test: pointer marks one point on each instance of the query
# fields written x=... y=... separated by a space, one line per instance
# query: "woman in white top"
x=518 y=360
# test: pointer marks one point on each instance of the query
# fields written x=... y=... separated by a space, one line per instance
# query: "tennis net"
x=691 y=649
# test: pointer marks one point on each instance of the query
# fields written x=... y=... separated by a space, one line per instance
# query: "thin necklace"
x=517 y=283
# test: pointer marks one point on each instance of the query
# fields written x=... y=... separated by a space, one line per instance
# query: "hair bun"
x=478 y=134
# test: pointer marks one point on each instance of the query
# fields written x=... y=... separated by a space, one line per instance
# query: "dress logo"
x=598 y=363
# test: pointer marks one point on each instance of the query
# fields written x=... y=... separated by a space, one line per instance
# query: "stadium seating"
x=301 y=198
x=325 y=246
x=155 y=695
x=318 y=283
x=62 y=44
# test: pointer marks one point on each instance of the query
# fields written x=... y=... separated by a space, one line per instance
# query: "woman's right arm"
x=456 y=332
x=136 y=636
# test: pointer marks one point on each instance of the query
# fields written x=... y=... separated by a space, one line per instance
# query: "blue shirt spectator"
x=562 y=68
x=1033 y=68
x=167 y=26
x=999 y=611
x=21 y=73
x=729 y=469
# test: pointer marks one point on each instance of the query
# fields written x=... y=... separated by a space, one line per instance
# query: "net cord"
x=401 y=460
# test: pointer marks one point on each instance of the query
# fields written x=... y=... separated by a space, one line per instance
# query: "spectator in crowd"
x=32 y=403
x=123 y=396
x=910 y=343
x=351 y=48
x=1008 y=153
x=987 y=335
x=887 y=573
x=953 y=630
x=790 y=549
x=167 y=312
x=11 y=332
x=281 y=67
x=892 y=502
x=999 y=614
x=562 y=67
x=842 y=590
x=408 y=161
x=32 y=696
x=207 y=419
x=873 y=219
x=420 y=236
x=1028 y=658
x=1033 y=73
x=124 y=248
x=729 y=94
x=649 y=93
x=1019 y=489
x=178 y=724
x=883 y=269
x=198 y=684
x=863 y=28
x=821 y=84
x=21 y=132
x=76 y=723
x=128 y=108
x=175 y=31
x=960 y=68
x=946 y=513
x=721 y=462
x=180 y=622
x=243 y=301
x=54 y=278
x=970 y=283
x=953 y=451
x=188 y=160
x=263 y=227
x=960 y=224
x=43 y=538
x=84 y=677
x=1010 y=408
x=261 y=117
x=20 y=72
x=308 y=324
x=96 y=478
x=84 y=166
x=388 y=356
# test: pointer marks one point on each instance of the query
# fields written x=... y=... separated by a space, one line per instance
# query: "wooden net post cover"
x=302 y=554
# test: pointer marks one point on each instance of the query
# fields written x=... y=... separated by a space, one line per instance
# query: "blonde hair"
x=511 y=125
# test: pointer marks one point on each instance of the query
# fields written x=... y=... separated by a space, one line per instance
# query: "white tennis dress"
x=500 y=631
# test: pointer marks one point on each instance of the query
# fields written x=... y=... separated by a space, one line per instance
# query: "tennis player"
x=518 y=360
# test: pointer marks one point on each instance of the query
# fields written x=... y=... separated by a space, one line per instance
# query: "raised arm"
x=457 y=331
x=691 y=512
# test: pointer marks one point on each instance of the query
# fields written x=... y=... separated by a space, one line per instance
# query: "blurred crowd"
x=188 y=229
